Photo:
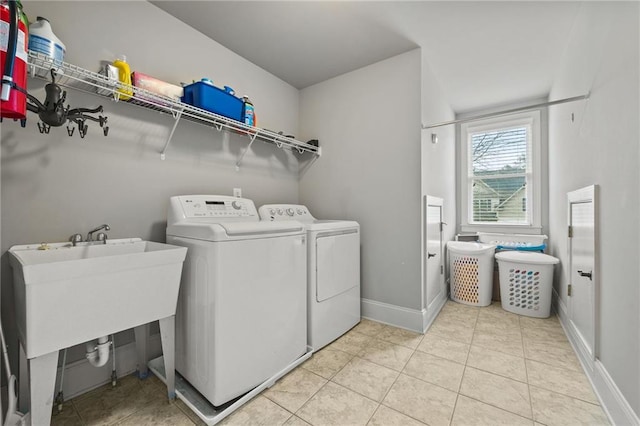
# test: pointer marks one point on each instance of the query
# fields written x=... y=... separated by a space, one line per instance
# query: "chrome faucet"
x=75 y=239
x=99 y=228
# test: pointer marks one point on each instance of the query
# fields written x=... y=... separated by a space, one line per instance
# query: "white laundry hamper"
x=471 y=272
x=526 y=281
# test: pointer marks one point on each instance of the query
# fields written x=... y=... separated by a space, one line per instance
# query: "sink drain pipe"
x=98 y=355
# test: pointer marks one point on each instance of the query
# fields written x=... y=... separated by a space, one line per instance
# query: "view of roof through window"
x=499 y=163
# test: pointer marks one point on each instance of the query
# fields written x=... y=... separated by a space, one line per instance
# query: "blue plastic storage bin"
x=211 y=98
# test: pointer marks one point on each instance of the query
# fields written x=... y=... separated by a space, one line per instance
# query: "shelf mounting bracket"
x=166 y=145
x=253 y=139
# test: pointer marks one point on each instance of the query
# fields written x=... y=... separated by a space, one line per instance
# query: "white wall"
x=601 y=147
x=54 y=186
x=368 y=124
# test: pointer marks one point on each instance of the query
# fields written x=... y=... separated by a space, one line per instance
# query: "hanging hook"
x=82 y=130
x=44 y=128
x=70 y=130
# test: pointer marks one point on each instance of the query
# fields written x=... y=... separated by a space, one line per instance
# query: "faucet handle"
x=75 y=239
x=102 y=237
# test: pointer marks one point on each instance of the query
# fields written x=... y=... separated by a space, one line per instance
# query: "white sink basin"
x=68 y=295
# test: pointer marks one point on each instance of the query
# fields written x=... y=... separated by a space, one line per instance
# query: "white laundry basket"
x=471 y=272
x=526 y=280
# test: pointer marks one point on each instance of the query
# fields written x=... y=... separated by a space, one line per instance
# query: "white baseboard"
x=613 y=402
x=398 y=316
x=81 y=377
x=429 y=315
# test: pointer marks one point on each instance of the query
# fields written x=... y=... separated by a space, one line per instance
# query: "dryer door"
x=337 y=263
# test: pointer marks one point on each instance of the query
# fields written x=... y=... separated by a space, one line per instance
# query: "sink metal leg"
x=42 y=383
x=23 y=382
x=142 y=347
x=167 y=335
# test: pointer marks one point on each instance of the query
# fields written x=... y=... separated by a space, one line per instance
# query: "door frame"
x=588 y=194
x=429 y=200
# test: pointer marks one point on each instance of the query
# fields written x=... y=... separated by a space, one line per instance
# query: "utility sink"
x=66 y=295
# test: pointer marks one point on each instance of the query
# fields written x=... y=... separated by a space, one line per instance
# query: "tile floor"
x=475 y=366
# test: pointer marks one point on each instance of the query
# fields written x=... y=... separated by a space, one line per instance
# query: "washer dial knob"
x=280 y=212
x=300 y=211
x=236 y=205
x=290 y=211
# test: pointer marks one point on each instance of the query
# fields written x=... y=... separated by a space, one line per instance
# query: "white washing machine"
x=333 y=271
x=241 y=315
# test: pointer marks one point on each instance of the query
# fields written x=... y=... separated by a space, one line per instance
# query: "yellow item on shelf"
x=124 y=75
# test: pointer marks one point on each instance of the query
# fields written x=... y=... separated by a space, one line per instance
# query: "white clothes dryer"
x=333 y=271
x=241 y=315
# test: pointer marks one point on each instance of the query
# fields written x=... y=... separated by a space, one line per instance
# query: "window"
x=500 y=165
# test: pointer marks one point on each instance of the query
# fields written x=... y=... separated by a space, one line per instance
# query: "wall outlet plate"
x=237 y=192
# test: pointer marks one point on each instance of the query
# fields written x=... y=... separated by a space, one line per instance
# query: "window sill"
x=503 y=229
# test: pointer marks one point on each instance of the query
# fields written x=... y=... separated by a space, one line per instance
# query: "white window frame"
x=531 y=120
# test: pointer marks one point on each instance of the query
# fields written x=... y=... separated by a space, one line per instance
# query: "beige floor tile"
x=387 y=354
x=470 y=412
x=458 y=315
x=553 y=409
x=399 y=336
x=352 y=342
x=433 y=369
x=496 y=390
x=545 y=334
x=423 y=401
x=67 y=417
x=561 y=380
x=458 y=331
x=552 y=323
x=368 y=327
x=451 y=306
x=157 y=413
x=499 y=325
x=327 y=362
x=452 y=350
x=366 y=378
x=507 y=343
x=189 y=413
x=497 y=314
x=499 y=363
x=294 y=389
x=560 y=356
x=385 y=416
x=337 y=405
x=258 y=411
x=109 y=405
x=296 y=421
x=152 y=383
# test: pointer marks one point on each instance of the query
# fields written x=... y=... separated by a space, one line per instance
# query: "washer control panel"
x=275 y=212
x=216 y=206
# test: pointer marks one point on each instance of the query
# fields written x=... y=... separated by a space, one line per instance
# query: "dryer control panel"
x=187 y=207
x=286 y=212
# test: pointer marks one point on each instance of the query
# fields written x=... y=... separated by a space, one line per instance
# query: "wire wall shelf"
x=74 y=77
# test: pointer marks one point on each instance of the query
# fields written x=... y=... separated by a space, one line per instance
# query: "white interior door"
x=582 y=267
x=434 y=259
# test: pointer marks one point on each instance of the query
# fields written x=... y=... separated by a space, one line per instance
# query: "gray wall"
x=601 y=147
x=53 y=185
x=368 y=123
x=438 y=160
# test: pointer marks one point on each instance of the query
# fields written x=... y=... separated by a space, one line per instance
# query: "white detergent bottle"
x=43 y=40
